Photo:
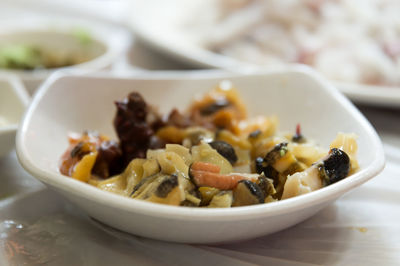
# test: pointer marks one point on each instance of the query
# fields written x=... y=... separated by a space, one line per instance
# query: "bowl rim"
x=89 y=192
x=20 y=93
x=115 y=39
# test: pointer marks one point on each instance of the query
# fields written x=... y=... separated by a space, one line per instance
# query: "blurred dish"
x=20 y=51
x=41 y=141
x=366 y=56
x=36 y=49
x=13 y=101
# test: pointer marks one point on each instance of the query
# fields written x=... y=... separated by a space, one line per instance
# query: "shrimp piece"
x=207 y=174
x=209 y=167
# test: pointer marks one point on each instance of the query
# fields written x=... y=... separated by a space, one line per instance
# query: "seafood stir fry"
x=210 y=155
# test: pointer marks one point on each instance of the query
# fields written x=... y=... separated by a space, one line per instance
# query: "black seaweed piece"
x=337 y=165
x=156 y=143
x=141 y=183
x=277 y=152
x=214 y=107
x=77 y=150
x=254 y=189
x=298 y=138
x=271 y=173
x=266 y=186
x=167 y=186
x=191 y=177
x=255 y=134
x=259 y=163
x=196 y=193
x=225 y=149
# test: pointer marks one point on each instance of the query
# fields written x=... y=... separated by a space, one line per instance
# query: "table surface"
x=39 y=227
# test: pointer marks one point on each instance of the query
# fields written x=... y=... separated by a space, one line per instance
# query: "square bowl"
x=14 y=100
x=68 y=103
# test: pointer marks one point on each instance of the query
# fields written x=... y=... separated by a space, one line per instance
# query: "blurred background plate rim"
x=197 y=56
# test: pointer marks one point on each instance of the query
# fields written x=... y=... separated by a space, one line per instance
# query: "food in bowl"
x=47 y=50
x=29 y=57
x=211 y=155
x=362 y=37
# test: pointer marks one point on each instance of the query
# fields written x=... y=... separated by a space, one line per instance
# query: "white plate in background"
x=162 y=29
x=296 y=95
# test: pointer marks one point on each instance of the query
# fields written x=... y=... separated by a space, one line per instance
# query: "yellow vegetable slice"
x=116 y=184
x=282 y=164
x=83 y=169
x=170 y=163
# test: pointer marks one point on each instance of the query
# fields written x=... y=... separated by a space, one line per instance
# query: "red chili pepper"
x=298 y=130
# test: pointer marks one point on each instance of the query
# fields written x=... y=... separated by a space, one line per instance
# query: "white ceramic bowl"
x=13 y=101
x=71 y=103
x=108 y=43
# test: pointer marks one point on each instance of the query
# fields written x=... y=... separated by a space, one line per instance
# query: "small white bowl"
x=14 y=99
x=298 y=95
x=108 y=44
